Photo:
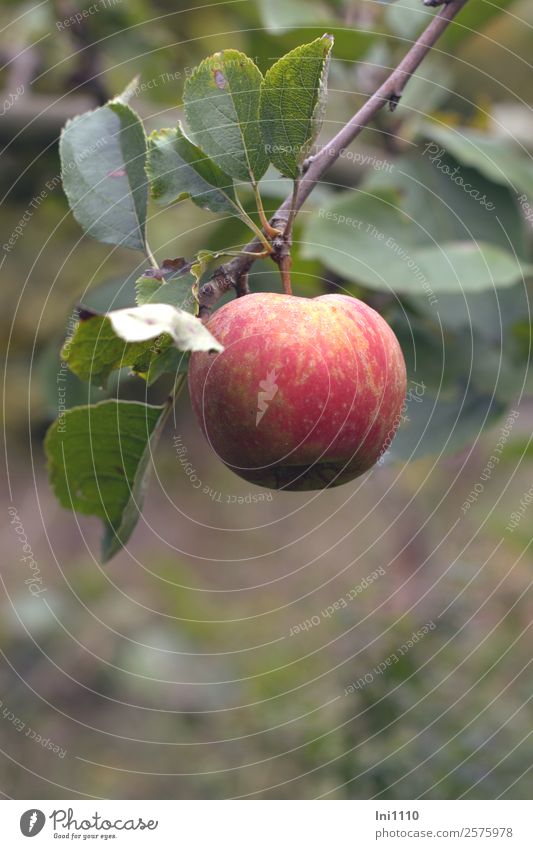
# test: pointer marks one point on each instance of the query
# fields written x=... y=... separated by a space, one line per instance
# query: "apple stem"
x=285 y=271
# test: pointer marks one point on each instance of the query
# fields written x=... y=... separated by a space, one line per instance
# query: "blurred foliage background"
x=173 y=672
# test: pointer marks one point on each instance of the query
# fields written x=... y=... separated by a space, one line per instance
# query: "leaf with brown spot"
x=221 y=100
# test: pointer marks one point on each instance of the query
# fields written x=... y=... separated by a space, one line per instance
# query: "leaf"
x=168 y=361
x=102 y=166
x=458 y=384
x=293 y=98
x=368 y=239
x=176 y=292
x=178 y=169
x=221 y=99
x=138 y=324
x=445 y=424
x=111 y=294
x=59 y=388
x=498 y=159
x=202 y=261
x=122 y=338
x=467 y=266
x=172 y=283
x=444 y=359
x=450 y=202
x=95 y=350
x=98 y=461
x=491 y=314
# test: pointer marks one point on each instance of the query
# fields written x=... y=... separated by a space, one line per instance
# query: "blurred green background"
x=178 y=670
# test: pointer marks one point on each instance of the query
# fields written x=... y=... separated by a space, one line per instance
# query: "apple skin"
x=307 y=393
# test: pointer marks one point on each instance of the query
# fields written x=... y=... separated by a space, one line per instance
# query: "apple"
x=307 y=393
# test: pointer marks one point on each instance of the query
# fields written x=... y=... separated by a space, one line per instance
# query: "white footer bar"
x=268 y=824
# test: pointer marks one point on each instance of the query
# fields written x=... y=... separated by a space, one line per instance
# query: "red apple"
x=307 y=392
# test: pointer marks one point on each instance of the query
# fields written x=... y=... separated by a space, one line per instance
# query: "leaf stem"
x=255 y=255
x=287 y=233
x=253 y=226
x=151 y=257
x=265 y=223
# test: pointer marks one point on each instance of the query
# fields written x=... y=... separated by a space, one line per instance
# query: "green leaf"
x=221 y=99
x=491 y=314
x=369 y=240
x=168 y=361
x=458 y=384
x=449 y=202
x=293 y=98
x=177 y=292
x=102 y=166
x=468 y=266
x=445 y=423
x=134 y=337
x=178 y=169
x=201 y=263
x=500 y=160
x=112 y=293
x=180 y=291
x=98 y=461
x=95 y=350
x=139 y=324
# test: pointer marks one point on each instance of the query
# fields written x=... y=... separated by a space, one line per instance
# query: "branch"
x=390 y=92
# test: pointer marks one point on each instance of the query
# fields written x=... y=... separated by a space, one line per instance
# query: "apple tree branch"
x=228 y=276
